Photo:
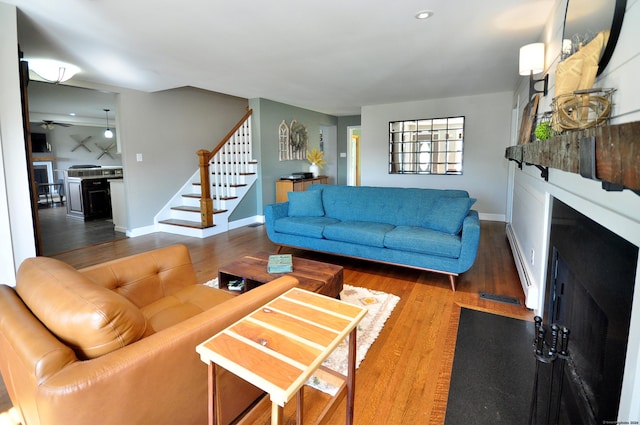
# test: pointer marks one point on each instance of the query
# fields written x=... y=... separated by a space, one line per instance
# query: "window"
x=427 y=146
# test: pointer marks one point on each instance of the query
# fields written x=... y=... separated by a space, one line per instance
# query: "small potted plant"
x=316 y=159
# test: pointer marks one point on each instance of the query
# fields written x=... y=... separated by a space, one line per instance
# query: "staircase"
x=202 y=207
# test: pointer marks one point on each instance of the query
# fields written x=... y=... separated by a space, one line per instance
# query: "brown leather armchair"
x=115 y=343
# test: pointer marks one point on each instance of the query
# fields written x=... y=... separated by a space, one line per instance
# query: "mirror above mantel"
x=584 y=19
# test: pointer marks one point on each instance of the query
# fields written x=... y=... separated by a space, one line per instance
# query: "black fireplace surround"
x=590 y=283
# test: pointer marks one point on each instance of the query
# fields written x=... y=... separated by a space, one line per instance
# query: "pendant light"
x=108 y=133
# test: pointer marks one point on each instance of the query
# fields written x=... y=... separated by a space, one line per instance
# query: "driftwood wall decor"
x=617 y=149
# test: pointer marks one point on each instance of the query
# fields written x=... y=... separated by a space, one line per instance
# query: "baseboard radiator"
x=528 y=286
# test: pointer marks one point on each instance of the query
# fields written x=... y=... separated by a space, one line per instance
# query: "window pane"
x=426 y=146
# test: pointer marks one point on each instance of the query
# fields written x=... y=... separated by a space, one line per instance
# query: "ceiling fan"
x=50 y=125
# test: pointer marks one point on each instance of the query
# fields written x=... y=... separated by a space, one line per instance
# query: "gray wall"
x=343 y=142
x=487 y=132
x=168 y=128
x=267 y=117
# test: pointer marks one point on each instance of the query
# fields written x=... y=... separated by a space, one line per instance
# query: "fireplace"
x=590 y=284
x=43 y=171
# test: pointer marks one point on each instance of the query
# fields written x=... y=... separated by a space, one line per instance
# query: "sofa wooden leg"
x=452 y=279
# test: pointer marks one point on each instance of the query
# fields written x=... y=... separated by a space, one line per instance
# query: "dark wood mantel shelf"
x=616 y=153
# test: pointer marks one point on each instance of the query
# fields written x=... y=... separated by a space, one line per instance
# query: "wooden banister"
x=206 y=203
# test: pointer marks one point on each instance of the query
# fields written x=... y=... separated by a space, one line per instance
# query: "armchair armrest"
x=26 y=346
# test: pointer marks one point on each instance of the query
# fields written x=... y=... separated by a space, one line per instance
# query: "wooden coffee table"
x=281 y=345
x=314 y=276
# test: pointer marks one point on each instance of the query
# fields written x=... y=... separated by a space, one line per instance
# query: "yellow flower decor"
x=316 y=157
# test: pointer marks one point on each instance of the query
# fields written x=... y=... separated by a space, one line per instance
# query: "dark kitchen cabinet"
x=88 y=198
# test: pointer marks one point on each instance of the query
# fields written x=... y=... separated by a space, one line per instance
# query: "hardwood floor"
x=404 y=378
x=59 y=233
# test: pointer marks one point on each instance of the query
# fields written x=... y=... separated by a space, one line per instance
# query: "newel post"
x=206 y=203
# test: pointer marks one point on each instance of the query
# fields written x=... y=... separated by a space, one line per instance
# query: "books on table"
x=236 y=285
x=282 y=263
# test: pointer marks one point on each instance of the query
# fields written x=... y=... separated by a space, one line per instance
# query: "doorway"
x=328 y=145
x=68 y=124
x=353 y=156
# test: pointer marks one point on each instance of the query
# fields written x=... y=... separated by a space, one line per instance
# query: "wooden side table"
x=284 y=186
x=280 y=346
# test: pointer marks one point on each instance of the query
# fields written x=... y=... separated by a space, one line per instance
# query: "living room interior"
x=165 y=112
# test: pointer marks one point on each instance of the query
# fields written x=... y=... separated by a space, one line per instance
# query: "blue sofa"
x=429 y=229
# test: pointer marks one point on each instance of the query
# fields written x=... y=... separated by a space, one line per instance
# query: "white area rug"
x=379 y=304
x=213 y=283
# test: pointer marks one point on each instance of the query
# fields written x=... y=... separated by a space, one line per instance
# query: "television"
x=39 y=143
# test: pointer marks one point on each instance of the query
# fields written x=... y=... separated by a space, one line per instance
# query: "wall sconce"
x=107 y=133
x=532 y=62
x=52 y=70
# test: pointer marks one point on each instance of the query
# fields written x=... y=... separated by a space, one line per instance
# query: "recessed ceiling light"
x=424 y=14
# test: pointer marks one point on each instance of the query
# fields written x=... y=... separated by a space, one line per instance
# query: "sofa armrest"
x=147 y=277
x=164 y=378
x=272 y=213
x=470 y=241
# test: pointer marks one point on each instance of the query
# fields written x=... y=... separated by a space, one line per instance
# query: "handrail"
x=229 y=134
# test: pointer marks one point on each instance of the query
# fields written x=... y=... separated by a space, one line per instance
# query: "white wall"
x=487 y=133
x=16 y=231
x=617 y=211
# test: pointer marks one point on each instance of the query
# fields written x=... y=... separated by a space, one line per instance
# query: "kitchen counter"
x=88 y=191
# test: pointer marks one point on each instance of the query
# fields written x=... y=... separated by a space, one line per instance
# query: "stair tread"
x=185 y=223
x=231 y=185
x=195 y=209
x=186 y=208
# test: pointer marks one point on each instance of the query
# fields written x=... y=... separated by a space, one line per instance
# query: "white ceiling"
x=331 y=56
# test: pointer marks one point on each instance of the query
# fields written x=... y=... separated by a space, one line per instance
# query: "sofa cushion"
x=447 y=214
x=424 y=241
x=306 y=204
x=185 y=303
x=92 y=320
x=358 y=232
x=312 y=227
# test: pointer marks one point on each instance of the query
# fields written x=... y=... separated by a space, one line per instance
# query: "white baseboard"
x=140 y=231
x=246 y=221
x=529 y=287
x=492 y=217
